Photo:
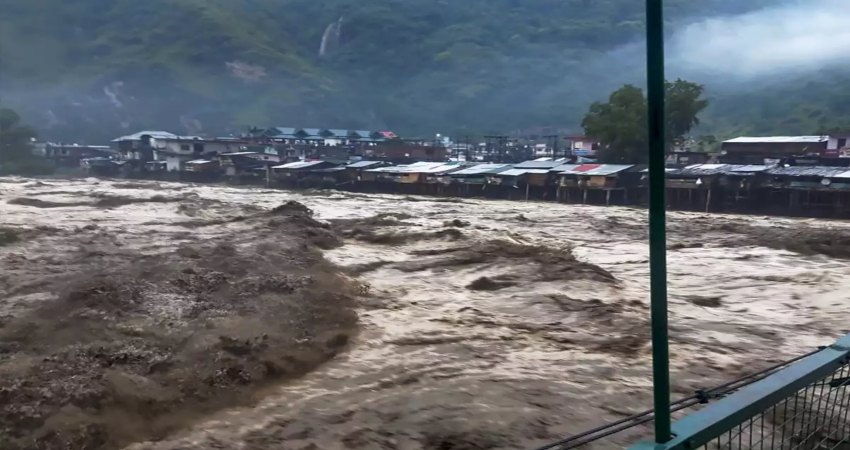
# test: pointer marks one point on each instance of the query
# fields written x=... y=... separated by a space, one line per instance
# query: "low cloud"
x=796 y=37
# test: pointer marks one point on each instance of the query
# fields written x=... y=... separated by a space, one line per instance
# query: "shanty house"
x=298 y=171
x=817 y=190
x=539 y=171
x=760 y=150
x=236 y=164
x=201 y=166
x=594 y=176
x=358 y=171
x=578 y=180
x=71 y=155
x=478 y=173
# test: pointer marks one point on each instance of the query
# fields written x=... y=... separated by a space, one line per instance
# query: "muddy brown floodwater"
x=164 y=316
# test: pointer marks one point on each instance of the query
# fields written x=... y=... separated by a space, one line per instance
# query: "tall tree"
x=620 y=124
x=15 y=138
x=684 y=102
x=16 y=156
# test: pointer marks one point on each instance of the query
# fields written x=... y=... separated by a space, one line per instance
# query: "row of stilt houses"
x=778 y=189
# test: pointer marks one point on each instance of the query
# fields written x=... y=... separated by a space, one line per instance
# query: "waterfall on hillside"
x=330 y=40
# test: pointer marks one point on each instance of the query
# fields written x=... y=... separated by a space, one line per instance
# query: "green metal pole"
x=657 y=220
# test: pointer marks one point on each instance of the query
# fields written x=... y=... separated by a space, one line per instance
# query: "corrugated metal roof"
x=407 y=168
x=363 y=164
x=702 y=170
x=339 y=132
x=437 y=169
x=482 y=169
x=748 y=168
x=198 y=161
x=312 y=132
x=565 y=167
x=777 y=139
x=608 y=169
x=388 y=169
x=519 y=172
x=239 y=154
x=285 y=130
x=842 y=175
x=538 y=164
x=809 y=171
x=298 y=165
x=153 y=134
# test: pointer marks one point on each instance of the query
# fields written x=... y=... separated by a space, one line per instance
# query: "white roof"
x=842 y=175
x=198 y=161
x=298 y=165
x=777 y=139
x=419 y=167
x=518 y=172
x=153 y=134
x=239 y=154
x=480 y=169
x=705 y=166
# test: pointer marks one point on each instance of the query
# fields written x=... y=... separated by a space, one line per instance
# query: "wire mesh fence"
x=799 y=404
x=815 y=417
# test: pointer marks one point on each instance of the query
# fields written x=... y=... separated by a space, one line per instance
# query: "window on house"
x=185 y=147
x=842 y=142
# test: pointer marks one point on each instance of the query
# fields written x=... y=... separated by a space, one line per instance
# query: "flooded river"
x=495 y=324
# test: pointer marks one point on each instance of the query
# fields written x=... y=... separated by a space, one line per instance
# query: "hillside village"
x=797 y=175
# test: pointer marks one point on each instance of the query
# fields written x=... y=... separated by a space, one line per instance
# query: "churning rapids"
x=422 y=323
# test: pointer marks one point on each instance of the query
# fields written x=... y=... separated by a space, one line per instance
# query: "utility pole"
x=657 y=219
x=500 y=142
x=553 y=139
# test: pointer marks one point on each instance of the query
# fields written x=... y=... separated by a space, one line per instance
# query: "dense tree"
x=91 y=69
x=684 y=103
x=16 y=146
x=621 y=123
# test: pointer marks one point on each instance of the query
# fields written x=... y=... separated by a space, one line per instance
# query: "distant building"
x=756 y=150
x=582 y=145
x=71 y=155
x=330 y=137
x=161 y=150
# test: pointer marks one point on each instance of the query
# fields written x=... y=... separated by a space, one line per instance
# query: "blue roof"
x=338 y=132
x=312 y=132
x=285 y=130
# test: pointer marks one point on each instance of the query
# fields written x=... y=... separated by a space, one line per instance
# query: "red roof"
x=586 y=167
x=388 y=134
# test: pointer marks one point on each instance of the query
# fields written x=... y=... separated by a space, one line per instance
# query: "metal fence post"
x=657 y=220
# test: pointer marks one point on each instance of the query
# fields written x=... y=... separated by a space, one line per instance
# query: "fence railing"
x=805 y=406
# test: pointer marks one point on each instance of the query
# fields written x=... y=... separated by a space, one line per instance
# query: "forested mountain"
x=91 y=69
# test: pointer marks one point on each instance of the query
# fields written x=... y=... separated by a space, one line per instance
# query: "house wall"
x=174 y=163
x=184 y=147
x=755 y=153
x=538 y=179
x=409 y=178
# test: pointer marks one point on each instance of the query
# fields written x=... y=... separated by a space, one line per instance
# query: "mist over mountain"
x=92 y=69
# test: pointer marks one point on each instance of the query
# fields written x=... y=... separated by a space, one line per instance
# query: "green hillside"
x=91 y=69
